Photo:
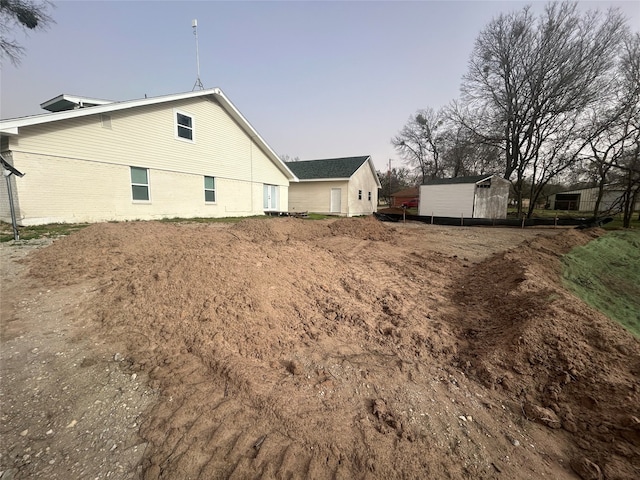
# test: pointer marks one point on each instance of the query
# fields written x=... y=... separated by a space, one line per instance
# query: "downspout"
x=16 y=234
x=7 y=171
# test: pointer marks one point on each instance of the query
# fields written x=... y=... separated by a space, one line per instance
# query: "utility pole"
x=389 y=182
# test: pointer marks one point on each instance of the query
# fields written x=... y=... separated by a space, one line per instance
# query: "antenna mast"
x=198 y=84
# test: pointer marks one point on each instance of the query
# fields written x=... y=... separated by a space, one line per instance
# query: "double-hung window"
x=184 y=126
x=359 y=194
x=139 y=184
x=209 y=189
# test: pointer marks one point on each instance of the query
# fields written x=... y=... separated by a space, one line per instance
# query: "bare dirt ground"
x=288 y=348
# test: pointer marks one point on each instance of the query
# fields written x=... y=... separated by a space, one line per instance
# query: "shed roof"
x=330 y=168
x=458 y=180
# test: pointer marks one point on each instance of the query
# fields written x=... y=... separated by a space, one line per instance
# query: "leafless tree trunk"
x=614 y=149
x=530 y=85
x=419 y=142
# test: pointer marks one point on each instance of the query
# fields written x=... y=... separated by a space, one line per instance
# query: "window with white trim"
x=270 y=197
x=359 y=194
x=209 y=189
x=139 y=184
x=369 y=196
x=184 y=126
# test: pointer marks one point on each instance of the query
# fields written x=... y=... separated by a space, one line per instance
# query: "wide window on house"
x=184 y=126
x=139 y=183
x=359 y=194
x=209 y=189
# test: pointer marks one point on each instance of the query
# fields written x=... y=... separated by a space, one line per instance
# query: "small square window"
x=359 y=194
x=184 y=126
x=209 y=189
x=139 y=184
x=105 y=120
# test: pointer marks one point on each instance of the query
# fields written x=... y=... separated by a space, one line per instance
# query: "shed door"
x=567 y=201
x=336 y=200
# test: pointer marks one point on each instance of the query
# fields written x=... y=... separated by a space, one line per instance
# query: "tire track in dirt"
x=345 y=367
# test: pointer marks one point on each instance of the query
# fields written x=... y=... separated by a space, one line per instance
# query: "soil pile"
x=349 y=349
x=567 y=365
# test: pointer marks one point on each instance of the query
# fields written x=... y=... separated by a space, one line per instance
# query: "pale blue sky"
x=316 y=79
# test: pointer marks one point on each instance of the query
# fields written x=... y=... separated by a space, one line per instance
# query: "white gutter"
x=12 y=126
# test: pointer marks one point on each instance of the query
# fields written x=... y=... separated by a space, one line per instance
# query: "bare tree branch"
x=531 y=83
x=23 y=15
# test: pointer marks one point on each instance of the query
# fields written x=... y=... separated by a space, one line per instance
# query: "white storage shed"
x=481 y=196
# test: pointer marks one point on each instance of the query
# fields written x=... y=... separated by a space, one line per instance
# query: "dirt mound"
x=367 y=228
x=286 y=229
x=567 y=365
x=342 y=348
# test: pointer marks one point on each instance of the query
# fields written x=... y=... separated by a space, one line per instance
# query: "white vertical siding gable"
x=448 y=200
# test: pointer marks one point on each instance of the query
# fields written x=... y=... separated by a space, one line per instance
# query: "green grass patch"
x=616 y=224
x=605 y=273
x=39 y=231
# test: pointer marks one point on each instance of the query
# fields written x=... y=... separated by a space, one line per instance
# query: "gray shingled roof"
x=451 y=181
x=327 y=168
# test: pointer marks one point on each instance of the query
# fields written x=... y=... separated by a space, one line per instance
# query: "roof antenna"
x=198 y=84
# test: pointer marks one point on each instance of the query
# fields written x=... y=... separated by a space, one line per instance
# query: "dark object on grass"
x=594 y=222
x=385 y=218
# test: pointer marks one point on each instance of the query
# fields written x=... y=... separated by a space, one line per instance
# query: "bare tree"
x=616 y=151
x=418 y=143
x=630 y=162
x=288 y=158
x=530 y=85
x=394 y=180
x=464 y=154
x=24 y=15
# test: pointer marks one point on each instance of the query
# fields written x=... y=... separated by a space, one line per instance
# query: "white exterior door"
x=270 y=197
x=336 y=200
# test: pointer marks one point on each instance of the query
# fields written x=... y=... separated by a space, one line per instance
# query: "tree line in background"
x=546 y=101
